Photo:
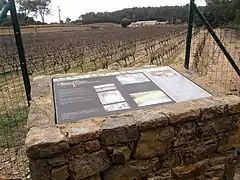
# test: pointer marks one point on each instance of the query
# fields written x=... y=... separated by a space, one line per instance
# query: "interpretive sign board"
x=86 y=96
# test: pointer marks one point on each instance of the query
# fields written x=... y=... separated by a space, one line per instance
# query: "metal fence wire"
x=215 y=53
x=208 y=59
x=13 y=110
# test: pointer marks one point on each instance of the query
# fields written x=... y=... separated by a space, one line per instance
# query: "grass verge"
x=12 y=128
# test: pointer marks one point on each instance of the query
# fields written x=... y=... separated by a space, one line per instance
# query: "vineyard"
x=94 y=49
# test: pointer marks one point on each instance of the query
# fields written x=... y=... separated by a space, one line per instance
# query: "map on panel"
x=80 y=97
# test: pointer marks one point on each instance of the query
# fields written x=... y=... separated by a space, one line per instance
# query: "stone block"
x=190 y=171
x=166 y=161
x=39 y=170
x=149 y=146
x=181 y=112
x=95 y=177
x=164 y=174
x=83 y=131
x=204 y=147
x=212 y=108
x=87 y=165
x=166 y=133
x=150 y=118
x=145 y=167
x=219 y=106
x=218 y=125
x=122 y=172
x=57 y=161
x=153 y=143
x=45 y=142
x=119 y=130
x=230 y=170
x=183 y=140
x=60 y=173
x=77 y=149
x=121 y=155
x=40 y=116
x=40 y=87
x=214 y=175
x=217 y=167
x=233 y=104
x=151 y=175
x=186 y=129
x=159 y=178
x=92 y=146
x=196 y=150
x=227 y=158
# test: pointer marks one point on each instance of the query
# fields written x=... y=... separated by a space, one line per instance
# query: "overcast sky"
x=74 y=8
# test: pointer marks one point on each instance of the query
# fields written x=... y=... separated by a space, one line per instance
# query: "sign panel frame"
x=87 y=96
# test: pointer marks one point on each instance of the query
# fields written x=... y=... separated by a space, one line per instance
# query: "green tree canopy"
x=23 y=20
x=125 y=22
x=42 y=8
x=217 y=12
x=164 y=13
x=68 y=20
x=37 y=7
x=222 y=12
x=27 y=6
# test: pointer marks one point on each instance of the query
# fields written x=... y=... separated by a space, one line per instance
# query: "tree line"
x=218 y=12
x=30 y=9
x=36 y=7
x=221 y=12
x=165 y=13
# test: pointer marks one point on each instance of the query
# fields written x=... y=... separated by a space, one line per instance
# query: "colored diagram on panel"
x=132 y=78
x=150 y=98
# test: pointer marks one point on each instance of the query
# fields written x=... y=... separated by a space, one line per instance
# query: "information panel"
x=81 y=97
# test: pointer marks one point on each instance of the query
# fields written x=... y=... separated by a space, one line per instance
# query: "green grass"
x=12 y=130
x=7 y=76
x=86 y=67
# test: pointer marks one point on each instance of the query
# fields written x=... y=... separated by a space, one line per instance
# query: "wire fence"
x=13 y=110
x=215 y=53
x=208 y=60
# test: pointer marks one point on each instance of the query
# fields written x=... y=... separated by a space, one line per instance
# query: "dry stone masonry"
x=190 y=140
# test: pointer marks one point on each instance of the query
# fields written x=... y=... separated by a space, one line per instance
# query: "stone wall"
x=189 y=140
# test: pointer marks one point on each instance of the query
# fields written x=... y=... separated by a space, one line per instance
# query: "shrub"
x=125 y=22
